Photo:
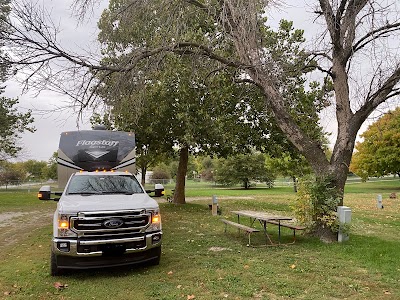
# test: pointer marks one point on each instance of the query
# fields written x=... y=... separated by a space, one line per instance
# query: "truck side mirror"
x=44 y=193
x=159 y=190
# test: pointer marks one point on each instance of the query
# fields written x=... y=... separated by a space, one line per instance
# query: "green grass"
x=366 y=267
x=21 y=201
x=383 y=186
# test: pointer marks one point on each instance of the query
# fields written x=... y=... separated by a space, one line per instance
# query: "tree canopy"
x=12 y=123
x=193 y=103
x=379 y=152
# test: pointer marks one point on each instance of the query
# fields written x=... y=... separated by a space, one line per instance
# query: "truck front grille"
x=110 y=222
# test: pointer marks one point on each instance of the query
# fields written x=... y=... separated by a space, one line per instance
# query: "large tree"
x=190 y=104
x=355 y=31
x=12 y=122
x=184 y=111
x=379 y=152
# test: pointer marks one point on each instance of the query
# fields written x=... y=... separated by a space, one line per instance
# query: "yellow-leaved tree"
x=379 y=153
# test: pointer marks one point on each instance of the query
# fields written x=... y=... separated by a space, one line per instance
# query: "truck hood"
x=70 y=204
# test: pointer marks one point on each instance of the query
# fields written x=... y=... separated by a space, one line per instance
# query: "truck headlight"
x=64 y=226
x=156 y=218
x=155 y=224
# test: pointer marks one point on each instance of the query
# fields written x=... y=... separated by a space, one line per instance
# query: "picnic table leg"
x=279 y=231
x=267 y=238
x=265 y=232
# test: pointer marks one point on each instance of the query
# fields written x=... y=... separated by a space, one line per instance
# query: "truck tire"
x=54 y=270
x=156 y=261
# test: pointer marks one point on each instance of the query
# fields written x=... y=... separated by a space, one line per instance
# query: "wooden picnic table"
x=263 y=218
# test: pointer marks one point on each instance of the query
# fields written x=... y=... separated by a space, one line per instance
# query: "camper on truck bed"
x=104 y=217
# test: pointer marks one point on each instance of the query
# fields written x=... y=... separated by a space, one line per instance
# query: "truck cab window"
x=104 y=184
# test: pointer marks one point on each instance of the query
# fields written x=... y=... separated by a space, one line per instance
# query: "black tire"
x=156 y=261
x=54 y=270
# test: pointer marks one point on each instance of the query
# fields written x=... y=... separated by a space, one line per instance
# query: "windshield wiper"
x=85 y=193
x=119 y=192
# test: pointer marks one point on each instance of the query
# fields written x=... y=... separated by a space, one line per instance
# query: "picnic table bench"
x=248 y=230
x=290 y=226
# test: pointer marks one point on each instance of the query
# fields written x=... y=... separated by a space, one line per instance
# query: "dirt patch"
x=16 y=226
x=5 y=218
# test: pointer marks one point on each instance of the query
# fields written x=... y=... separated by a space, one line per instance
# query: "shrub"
x=161 y=172
x=316 y=204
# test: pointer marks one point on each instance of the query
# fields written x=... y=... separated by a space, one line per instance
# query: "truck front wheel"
x=156 y=261
x=54 y=270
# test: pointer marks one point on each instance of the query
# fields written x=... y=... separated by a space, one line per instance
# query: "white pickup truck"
x=104 y=217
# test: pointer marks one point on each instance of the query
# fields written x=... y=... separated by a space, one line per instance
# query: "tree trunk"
x=246 y=184
x=143 y=179
x=179 y=193
x=294 y=184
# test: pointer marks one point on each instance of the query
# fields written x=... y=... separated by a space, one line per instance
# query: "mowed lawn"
x=201 y=261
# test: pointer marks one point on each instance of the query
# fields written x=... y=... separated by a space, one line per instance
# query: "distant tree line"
x=32 y=170
x=240 y=169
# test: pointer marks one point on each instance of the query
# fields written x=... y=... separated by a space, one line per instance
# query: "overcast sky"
x=50 y=122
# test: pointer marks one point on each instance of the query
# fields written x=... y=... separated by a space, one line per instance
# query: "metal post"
x=214 y=206
x=379 y=203
x=344 y=215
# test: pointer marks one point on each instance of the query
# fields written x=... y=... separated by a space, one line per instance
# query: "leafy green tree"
x=10 y=174
x=50 y=170
x=12 y=122
x=290 y=165
x=379 y=152
x=207 y=168
x=194 y=104
x=190 y=105
x=160 y=172
x=34 y=169
x=243 y=169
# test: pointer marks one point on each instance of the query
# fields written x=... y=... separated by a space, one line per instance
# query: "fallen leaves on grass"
x=190 y=297
x=60 y=286
x=219 y=249
x=9 y=293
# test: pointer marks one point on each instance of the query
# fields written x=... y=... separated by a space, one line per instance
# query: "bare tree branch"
x=374 y=35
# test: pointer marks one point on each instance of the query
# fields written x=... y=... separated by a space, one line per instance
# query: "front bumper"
x=97 y=253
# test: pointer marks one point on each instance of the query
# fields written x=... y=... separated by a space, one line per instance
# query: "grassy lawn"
x=201 y=261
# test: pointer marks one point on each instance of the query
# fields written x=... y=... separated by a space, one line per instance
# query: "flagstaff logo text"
x=97 y=143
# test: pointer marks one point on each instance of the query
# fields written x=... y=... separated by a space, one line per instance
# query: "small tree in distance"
x=243 y=169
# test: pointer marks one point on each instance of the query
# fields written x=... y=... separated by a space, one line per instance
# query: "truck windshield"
x=107 y=184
